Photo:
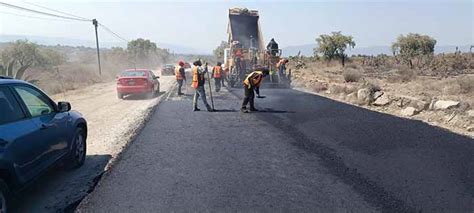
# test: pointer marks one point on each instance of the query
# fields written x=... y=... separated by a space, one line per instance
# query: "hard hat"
x=181 y=63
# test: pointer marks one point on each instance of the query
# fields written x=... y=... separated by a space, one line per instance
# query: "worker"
x=272 y=47
x=217 y=74
x=281 y=65
x=198 y=84
x=180 y=76
x=252 y=82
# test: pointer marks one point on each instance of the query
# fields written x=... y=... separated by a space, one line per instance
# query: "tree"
x=334 y=46
x=219 y=51
x=22 y=54
x=412 y=46
x=143 y=51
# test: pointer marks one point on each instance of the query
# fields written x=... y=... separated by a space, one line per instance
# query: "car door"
x=19 y=137
x=53 y=126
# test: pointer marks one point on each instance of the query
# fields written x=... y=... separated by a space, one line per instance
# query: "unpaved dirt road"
x=111 y=123
x=304 y=153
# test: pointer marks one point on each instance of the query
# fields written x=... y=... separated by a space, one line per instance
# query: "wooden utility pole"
x=95 y=23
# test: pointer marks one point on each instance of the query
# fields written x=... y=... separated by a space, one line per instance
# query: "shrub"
x=466 y=84
x=406 y=75
x=351 y=75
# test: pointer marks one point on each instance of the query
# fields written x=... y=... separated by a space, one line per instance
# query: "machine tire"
x=119 y=95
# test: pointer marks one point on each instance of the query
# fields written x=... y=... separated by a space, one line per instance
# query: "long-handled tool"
x=210 y=88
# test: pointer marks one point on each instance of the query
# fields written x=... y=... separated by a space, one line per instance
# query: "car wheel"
x=119 y=95
x=4 y=196
x=77 y=156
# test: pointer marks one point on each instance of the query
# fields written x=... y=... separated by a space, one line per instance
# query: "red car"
x=137 y=81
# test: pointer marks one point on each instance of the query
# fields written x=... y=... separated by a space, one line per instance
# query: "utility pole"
x=95 y=23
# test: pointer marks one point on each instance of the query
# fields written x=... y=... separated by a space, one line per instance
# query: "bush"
x=351 y=75
x=466 y=84
x=406 y=75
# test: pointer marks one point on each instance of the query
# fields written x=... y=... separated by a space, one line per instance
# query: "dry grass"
x=352 y=75
x=466 y=84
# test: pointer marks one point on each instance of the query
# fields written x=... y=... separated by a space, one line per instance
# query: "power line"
x=57 y=11
x=34 y=17
x=113 y=33
x=42 y=13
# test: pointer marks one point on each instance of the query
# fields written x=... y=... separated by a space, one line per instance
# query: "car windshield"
x=133 y=74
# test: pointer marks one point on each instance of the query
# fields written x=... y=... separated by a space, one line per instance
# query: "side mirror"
x=156 y=77
x=64 y=106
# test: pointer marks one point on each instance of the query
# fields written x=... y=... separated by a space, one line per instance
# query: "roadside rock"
x=364 y=96
x=377 y=95
x=403 y=102
x=470 y=129
x=419 y=105
x=352 y=98
x=444 y=105
x=470 y=113
x=382 y=100
x=409 y=111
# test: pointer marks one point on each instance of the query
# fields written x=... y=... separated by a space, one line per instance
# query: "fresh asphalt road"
x=303 y=153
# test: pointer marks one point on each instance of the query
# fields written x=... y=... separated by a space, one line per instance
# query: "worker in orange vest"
x=180 y=76
x=198 y=84
x=252 y=82
x=217 y=74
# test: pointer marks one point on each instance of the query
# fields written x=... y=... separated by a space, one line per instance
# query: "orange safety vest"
x=196 y=78
x=217 y=71
x=256 y=78
x=178 y=73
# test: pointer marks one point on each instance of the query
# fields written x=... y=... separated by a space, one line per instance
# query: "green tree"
x=334 y=46
x=413 y=46
x=22 y=54
x=145 y=52
x=219 y=51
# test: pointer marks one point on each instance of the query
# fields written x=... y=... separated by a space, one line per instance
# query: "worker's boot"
x=244 y=109
x=253 y=109
x=196 y=109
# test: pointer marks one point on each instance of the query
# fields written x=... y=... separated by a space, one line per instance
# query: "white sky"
x=202 y=24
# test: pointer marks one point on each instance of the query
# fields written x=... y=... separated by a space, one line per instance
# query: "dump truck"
x=246 y=50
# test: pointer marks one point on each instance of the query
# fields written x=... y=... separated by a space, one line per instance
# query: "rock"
x=364 y=96
x=377 y=95
x=352 y=98
x=382 y=100
x=403 y=102
x=470 y=128
x=470 y=113
x=409 y=111
x=419 y=105
x=444 y=105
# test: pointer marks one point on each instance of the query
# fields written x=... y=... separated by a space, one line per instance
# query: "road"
x=303 y=153
x=112 y=123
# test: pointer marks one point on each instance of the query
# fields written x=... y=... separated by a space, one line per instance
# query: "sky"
x=203 y=24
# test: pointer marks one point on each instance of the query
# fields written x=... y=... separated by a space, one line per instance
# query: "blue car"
x=35 y=134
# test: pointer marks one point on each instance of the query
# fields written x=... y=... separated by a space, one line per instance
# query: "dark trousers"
x=218 y=82
x=249 y=97
x=180 y=85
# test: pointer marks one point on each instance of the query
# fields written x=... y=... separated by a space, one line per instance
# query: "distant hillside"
x=307 y=50
x=52 y=41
